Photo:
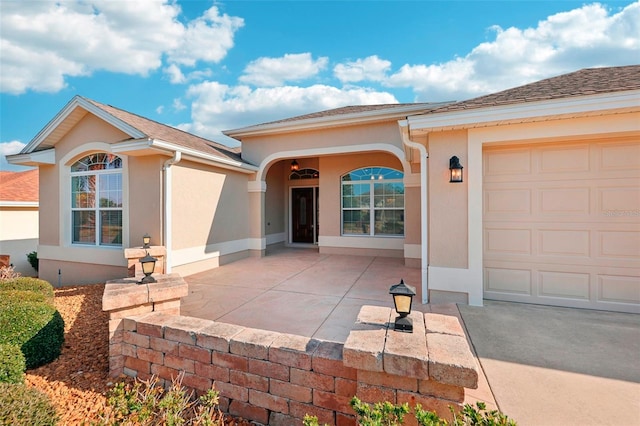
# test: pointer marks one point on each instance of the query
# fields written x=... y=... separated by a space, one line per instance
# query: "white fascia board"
x=328 y=121
x=29 y=204
x=188 y=153
x=529 y=111
x=33 y=158
x=78 y=101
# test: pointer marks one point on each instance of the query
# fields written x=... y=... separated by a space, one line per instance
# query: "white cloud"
x=585 y=37
x=217 y=107
x=276 y=71
x=10 y=148
x=43 y=43
x=175 y=74
x=371 y=68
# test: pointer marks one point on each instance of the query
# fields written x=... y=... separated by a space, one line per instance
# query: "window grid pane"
x=84 y=229
x=111 y=228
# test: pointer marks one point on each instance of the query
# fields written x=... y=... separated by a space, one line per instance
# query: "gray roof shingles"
x=156 y=130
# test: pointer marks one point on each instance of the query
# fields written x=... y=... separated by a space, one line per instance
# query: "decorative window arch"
x=96 y=200
x=373 y=202
x=304 y=174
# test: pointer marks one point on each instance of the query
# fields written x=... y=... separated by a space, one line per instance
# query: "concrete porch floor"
x=540 y=365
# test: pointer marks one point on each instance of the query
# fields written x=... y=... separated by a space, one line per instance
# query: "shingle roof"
x=354 y=109
x=19 y=186
x=156 y=130
x=588 y=81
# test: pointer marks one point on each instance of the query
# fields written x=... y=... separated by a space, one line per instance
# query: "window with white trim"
x=96 y=200
x=373 y=202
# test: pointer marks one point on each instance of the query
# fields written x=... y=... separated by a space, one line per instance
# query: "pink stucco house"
x=548 y=210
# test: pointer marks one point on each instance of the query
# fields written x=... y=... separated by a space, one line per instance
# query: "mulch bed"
x=78 y=381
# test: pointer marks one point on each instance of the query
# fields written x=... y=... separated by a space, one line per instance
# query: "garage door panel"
x=619 y=244
x=508 y=201
x=615 y=157
x=620 y=289
x=565 y=284
x=505 y=280
x=568 y=159
x=565 y=201
x=619 y=201
x=563 y=242
x=501 y=241
x=562 y=225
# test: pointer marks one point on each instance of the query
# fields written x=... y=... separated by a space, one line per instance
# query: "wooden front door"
x=304 y=226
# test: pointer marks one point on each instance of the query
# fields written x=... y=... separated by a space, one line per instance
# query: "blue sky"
x=206 y=66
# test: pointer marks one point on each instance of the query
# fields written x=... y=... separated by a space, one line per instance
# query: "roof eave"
x=625 y=101
x=148 y=146
x=63 y=114
x=330 y=121
x=33 y=159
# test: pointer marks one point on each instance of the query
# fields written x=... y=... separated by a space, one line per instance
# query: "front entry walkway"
x=297 y=291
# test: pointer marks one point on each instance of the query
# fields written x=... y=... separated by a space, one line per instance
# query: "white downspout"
x=424 y=223
x=167 y=231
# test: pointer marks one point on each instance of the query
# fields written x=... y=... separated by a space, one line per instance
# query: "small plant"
x=12 y=364
x=380 y=413
x=22 y=405
x=148 y=403
x=7 y=273
x=33 y=260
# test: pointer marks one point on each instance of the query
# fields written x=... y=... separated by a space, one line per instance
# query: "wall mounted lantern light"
x=402 y=300
x=146 y=239
x=455 y=170
x=295 y=166
x=148 y=266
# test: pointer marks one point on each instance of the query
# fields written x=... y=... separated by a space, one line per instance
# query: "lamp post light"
x=146 y=239
x=148 y=266
x=402 y=300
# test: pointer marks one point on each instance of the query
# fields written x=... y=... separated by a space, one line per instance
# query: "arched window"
x=373 y=202
x=304 y=174
x=96 y=200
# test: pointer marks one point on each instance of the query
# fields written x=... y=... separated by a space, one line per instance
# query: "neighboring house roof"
x=348 y=115
x=588 y=81
x=19 y=188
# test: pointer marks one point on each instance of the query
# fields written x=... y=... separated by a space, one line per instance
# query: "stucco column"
x=412 y=214
x=257 y=239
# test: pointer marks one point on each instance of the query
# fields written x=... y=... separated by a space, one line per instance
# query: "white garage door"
x=562 y=224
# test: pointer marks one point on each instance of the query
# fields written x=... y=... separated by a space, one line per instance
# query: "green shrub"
x=33 y=260
x=388 y=414
x=31 y=323
x=28 y=284
x=12 y=364
x=148 y=403
x=22 y=405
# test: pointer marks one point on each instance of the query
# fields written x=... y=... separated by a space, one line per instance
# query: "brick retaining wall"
x=275 y=378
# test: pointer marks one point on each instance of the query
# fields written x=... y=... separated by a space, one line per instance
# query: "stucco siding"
x=145 y=199
x=209 y=206
x=275 y=208
x=448 y=202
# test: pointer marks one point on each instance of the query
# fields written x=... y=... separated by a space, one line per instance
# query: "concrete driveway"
x=558 y=366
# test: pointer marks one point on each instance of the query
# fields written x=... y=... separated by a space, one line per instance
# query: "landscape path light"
x=402 y=300
x=148 y=266
x=146 y=239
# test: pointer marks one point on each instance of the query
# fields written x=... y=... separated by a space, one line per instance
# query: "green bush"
x=148 y=403
x=22 y=405
x=28 y=321
x=33 y=260
x=12 y=364
x=28 y=284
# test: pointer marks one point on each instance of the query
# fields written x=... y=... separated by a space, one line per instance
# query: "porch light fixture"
x=146 y=239
x=455 y=170
x=295 y=166
x=148 y=266
x=402 y=300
